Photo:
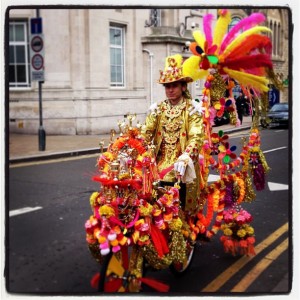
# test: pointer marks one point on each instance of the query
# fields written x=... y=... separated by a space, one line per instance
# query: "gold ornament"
x=218 y=88
x=263 y=161
x=249 y=191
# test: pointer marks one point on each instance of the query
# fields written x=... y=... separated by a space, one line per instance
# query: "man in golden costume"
x=175 y=128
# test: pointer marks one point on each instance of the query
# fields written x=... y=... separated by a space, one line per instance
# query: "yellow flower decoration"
x=106 y=211
x=146 y=210
x=255 y=149
x=241 y=233
x=144 y=238
x=93 y=198
x=227 y=232
x=250 y=230
x=175 y=224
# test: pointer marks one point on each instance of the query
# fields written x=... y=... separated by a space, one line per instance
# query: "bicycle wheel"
x=120 y=271
x=180 y=268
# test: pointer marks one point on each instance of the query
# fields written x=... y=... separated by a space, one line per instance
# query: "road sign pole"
x=41 y=132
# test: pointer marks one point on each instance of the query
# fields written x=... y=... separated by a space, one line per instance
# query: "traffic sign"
x=37 y=43
x=36 y=25
x=37 y=49
x=273 y=95
x=37 y=62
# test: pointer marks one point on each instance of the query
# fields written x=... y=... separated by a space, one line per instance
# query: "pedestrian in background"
x=240 y=106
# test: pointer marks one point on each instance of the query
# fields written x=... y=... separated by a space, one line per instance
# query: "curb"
x=74 y=153
x=55 y=155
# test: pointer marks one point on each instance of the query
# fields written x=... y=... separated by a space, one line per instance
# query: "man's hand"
x=184 y=168
x=180 y=167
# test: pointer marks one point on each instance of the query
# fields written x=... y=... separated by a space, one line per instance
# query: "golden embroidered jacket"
x=174 y=132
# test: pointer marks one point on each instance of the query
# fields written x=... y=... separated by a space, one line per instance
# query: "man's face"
x=174 y=90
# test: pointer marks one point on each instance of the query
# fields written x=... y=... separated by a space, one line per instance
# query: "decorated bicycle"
x=137 y=219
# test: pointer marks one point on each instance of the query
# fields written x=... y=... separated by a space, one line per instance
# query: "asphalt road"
x=47 y=252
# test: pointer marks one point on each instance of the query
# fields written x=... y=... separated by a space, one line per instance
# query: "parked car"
x=278 y=115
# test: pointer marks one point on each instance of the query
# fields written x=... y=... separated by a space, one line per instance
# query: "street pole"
x=41 y=132
x=151 y=74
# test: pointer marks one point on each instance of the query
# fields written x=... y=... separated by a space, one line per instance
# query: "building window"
x=275 y=49
x=19 y=66
x=276 y=37
x=117 y=49
x=279 y=40
x=154 y=18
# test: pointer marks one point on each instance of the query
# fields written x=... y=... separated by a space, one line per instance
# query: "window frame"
x=121 y=28
x=17 y=85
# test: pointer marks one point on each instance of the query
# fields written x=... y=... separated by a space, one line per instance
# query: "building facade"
x=101 y=64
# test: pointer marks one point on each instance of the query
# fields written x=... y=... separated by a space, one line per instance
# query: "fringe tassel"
x=95 y=281
x=159 y=241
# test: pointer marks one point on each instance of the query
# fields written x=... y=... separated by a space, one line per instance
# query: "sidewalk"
x=25 y=147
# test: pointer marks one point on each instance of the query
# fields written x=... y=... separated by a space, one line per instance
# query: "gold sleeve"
x=195 y=135
x=149 y=127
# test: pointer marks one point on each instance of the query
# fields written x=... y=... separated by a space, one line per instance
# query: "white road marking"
x=275 y=149
x=23 y=210
x=273 y=186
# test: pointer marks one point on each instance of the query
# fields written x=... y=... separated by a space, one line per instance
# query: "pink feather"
x=244 y=24
x=207 y=19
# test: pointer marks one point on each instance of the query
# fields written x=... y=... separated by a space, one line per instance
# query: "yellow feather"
x=190 y=68
x=199 y=38
x=221 y=28
x=240 y=39
x=258 y=82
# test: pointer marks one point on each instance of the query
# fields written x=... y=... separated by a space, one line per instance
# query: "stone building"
x=101 y=64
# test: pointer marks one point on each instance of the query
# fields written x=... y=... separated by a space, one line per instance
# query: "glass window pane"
x=111 y=35
x=20 y=36
x=21 y=71
x=11 y=33
x=11 y=55
x=112 y=56
x=118 y=37
x=118 y=56
x=115 y=36
x=119 y=74
x=12 y=74
x=20 y=53
x=113 y=74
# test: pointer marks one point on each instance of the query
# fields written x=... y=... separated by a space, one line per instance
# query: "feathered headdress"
x=244 y=53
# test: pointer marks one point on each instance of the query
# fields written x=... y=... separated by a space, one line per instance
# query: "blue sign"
x=36 y=25
x=274 y=96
